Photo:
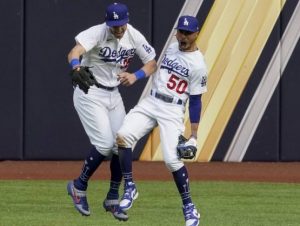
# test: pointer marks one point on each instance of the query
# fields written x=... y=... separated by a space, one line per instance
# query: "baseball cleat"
x=130 y=194
x=112 y=205
x=191 y=215
x=79 y=199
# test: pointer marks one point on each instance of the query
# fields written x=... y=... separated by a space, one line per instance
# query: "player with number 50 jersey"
x=182 y=77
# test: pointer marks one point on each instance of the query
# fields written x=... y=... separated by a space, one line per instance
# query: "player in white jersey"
x=107 y=49
x=182 y=76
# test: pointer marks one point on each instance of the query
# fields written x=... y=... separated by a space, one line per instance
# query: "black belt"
x=165 y=98
x=106 y=87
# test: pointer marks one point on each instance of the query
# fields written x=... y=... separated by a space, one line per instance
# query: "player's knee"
x=122 y=141
x=174 y=165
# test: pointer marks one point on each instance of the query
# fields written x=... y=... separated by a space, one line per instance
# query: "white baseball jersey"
x=109 y=56
x=181 y=74
x=102 y=111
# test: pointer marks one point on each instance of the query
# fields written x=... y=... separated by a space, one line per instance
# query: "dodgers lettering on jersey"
x=181 y=73
x=108 y=56
x=121 y=56
x=173 y=66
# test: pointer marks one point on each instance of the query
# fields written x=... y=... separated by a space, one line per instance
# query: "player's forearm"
x=194 y=129
x=76 y=52
x=149 y=68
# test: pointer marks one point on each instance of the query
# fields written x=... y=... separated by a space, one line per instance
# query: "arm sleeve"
x=143 y=49
x=198 y=82
x=195 y=105
x=89 y=38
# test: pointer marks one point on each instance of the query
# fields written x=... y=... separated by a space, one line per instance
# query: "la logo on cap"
x=185 y=23
x=116 y=16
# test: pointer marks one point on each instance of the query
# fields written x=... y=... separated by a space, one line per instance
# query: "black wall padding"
x=11 y=80
x=290 y=109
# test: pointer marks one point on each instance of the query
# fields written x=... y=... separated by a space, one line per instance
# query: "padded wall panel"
x=265 y=143
x=11 y=79
x=273 y=141
x=290 y=109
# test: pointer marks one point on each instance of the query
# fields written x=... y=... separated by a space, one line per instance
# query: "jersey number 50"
x=177 y=84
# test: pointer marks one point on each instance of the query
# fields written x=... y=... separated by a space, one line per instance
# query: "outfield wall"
x=244 y=43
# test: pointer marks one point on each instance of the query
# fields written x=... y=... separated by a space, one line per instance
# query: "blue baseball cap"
x=188 y=23
x=116 y=15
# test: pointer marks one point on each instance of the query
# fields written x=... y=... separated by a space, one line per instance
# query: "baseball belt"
x=106 y=87
x=166 y=98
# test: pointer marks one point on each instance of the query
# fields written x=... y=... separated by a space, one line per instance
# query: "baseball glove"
x=186 y=148
x=84 y=78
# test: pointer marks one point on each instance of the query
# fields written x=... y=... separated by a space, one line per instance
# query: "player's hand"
x=186 y=148
x=83 y=78
x=127 y=79
x=191 y=141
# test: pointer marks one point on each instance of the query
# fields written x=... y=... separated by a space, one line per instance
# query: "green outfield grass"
x=45 y=203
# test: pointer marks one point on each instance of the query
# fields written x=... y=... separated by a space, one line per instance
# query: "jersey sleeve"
x=143 y=49
x=88 y=38
x=198 y=82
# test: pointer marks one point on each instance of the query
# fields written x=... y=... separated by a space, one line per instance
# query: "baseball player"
x=106 y=51
x=181 y=77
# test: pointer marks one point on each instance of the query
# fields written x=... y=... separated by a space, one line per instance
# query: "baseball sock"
x=182 y=182
x=91 y=163
x=115 y=179
x=125 y=155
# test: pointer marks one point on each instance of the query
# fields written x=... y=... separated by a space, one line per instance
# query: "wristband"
x=140 y=74
x=74 y=62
